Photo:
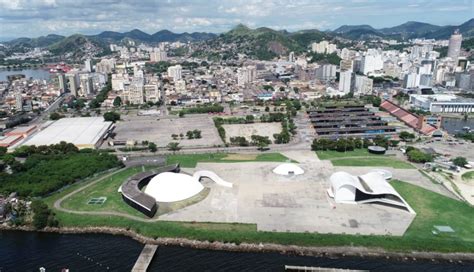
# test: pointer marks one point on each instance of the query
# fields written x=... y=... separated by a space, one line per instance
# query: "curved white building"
x=369 y=188
x=170 y=187
x=287 y=169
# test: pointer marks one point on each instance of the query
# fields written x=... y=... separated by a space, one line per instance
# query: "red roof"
x=407 y=117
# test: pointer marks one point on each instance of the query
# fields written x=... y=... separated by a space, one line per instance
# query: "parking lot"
x=247 y=130
x=159 y=130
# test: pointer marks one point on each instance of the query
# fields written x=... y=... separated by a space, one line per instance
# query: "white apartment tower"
x=175 y=72
x=345 y=81
x=454 y=47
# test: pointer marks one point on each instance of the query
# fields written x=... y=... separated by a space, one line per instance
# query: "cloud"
x=41 y=17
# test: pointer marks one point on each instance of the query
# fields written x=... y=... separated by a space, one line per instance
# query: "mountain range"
x=407 y=30
x=262 y=43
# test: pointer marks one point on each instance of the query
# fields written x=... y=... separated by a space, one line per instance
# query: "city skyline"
x=93 y=17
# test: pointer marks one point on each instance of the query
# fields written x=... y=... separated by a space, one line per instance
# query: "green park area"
x=468 y=176
x=190 y=160
x=432 y=210
x=361 y=157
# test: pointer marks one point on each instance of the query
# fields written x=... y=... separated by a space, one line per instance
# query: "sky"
x=33 y=18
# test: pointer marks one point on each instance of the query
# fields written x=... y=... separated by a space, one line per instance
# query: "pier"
x=144 y=260
x=295 y=268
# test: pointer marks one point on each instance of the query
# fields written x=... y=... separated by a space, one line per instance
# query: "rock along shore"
x=333 y=252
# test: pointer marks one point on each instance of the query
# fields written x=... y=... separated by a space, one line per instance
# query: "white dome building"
x=287 y=169
x=170 y=187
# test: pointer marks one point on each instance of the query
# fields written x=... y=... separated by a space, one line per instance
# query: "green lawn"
x=432 y=209
x=380 y=161
x=105 y=188
x=468 y=176
x=190 y=160
x=332 y=154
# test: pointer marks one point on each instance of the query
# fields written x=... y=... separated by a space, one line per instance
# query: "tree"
x=416 y=155
x=249 y=119
x=197 y=134
x=42 y=215
x=117 y=101
x=267 y=108
x=460 y=161
x=181 y=113
x=190 y=134
x=55 y=116
x=406 y=136
x=173 y=146
x=152 y=147
x=111 y=116
x=3 y=150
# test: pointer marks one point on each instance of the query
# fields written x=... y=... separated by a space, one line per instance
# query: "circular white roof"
x=288 y=169
x=170 y=187
x=385 y=173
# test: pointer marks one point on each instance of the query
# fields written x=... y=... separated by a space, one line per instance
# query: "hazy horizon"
x=21 y=18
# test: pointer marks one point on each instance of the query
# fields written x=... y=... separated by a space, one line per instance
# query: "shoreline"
x=313 y=251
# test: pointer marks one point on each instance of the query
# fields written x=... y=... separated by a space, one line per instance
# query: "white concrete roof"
x=345 y=188
x=288 y=169
x=170 y=187
x=81 y=131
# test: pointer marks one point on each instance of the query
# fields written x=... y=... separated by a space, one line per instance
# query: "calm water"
x=455 y=125
x=27 y=251
x=34 y=73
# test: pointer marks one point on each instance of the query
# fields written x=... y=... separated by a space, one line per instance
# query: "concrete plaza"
x=287 y=203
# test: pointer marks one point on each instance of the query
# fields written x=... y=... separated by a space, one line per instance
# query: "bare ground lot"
x=159 y=130
x=247 y=130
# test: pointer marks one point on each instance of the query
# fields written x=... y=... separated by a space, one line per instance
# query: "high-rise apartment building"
x=454 y=47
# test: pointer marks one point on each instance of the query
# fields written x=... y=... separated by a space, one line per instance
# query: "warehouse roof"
x=81 y=131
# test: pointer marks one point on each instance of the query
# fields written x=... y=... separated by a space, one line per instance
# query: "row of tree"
x=347 y=144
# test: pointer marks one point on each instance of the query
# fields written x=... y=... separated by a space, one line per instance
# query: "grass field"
x=190 y=160
x=361 y=157
x=105 y=188
x=468 y=176
x=382 y=161
x=432 y=209
x=331 y=154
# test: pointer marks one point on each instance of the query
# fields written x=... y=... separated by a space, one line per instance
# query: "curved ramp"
x=211 y=175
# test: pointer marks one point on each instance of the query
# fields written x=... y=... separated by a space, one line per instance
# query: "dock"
x=144 y=260
x=317 y=269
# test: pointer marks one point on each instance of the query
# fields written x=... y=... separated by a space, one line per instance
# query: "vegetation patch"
x=382 y=161
x=37 y=171
x=468 y=176
x=190 y=160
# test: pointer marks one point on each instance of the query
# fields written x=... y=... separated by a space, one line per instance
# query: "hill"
x=349 y=28
x=78 y=46
x=407 y=30
x=265 y=43
x=42 y=41
x=160 y=36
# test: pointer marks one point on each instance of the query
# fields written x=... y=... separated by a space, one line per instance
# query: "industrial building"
x=442 y=103
x=83 y=132
x=348 y=121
